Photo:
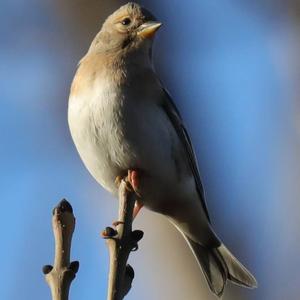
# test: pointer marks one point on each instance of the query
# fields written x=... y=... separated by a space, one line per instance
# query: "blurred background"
x=233 y=70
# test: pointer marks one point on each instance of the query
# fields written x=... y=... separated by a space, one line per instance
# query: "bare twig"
x=120 y=243
x=60 y=276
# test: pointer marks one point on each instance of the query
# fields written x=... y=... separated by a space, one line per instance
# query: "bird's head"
x=131 y=27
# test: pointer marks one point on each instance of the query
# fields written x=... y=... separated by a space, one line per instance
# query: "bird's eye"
x=126 y=21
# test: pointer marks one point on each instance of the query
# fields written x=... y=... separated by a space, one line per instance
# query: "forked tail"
x=219 y=265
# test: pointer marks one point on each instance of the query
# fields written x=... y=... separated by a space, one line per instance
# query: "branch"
x=120 y=243
x=60 y=276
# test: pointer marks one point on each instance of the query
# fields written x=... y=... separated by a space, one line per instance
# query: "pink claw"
x=133 y=179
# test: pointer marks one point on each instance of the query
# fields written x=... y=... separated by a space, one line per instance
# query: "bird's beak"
x=148 y=29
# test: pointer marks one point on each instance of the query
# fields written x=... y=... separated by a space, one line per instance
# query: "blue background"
x=233 y=70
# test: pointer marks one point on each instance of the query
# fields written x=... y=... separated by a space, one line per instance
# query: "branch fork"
x=121 y=242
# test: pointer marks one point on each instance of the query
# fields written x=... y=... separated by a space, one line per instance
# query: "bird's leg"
x=133 y=184
x=134 y=180
x=118 y=181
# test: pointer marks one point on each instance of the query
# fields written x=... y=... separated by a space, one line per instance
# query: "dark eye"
x=126 y=21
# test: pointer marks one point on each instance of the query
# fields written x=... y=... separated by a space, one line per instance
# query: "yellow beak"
x=148 y=29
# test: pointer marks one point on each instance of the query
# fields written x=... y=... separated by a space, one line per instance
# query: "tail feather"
x=219 y=265
x=237 y=273
x=213 y=268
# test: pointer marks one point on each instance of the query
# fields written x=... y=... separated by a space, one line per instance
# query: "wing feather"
x=175 y=118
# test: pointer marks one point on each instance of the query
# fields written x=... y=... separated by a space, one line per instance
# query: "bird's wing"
x=175 y=118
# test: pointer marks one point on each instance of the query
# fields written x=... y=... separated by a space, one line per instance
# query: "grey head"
x=128 y=29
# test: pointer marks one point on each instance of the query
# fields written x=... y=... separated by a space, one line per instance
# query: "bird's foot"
x=128 y=185
x=118 y=181
x=132 y=185
x=133 y=179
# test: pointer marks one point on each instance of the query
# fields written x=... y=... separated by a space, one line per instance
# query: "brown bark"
x=60 y=275
x=120 y=243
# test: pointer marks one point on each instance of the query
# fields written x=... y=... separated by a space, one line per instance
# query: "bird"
x=124 y=123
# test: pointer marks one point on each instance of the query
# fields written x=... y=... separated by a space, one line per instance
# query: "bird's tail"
x=219 y=265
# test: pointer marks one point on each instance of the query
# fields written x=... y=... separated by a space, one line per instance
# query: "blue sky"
x=230 y=68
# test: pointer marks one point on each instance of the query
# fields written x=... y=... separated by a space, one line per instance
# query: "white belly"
x=112 y=137
x=114 y=134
